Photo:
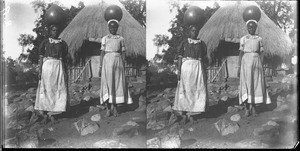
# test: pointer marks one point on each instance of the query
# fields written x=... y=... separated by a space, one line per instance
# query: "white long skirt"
x=113 y=82
x=191 y=93
x=252 y=81
x=52 y=91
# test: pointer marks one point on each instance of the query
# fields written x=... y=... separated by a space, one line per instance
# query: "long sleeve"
x=42 y=48
x=180 y=49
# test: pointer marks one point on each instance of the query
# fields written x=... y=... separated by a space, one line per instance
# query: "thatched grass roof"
x=227 y=24
x=90 y=23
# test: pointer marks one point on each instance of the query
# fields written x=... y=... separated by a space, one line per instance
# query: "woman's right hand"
x=178 y=76
x=40 y=75
x=239 y=71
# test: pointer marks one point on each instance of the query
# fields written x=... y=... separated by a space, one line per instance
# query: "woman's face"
x=113 y=27
x=194 y=32
x=251 y=28
x=54 y=32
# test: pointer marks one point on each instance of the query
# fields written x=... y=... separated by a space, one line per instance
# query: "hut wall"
x=229 y=51
x=95 y=63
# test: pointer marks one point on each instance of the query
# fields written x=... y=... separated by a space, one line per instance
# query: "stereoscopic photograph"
x=200 y=74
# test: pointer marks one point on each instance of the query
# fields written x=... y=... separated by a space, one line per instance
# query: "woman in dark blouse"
x=191 y=93
x=51 y=94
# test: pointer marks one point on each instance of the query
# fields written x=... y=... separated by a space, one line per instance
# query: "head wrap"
x=113 y=20
x=251 y=21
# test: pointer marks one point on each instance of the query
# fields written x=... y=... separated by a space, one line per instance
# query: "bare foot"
x=108 y=113
x=44 y=121
x=115 y=112
x=191 y=120
x=247 y=113
x=183 y=121
x=254 y=113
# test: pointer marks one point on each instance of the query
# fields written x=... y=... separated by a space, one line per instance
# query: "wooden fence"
x=83 y=72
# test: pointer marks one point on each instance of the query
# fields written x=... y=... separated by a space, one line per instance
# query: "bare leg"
x=254 y=113
x=107 y=110
x=115 y=112
x=247 y=110
x=45 y=118
x=190 y=118
x=184 y=118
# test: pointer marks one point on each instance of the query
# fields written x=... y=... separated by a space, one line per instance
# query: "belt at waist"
x=52 y=58
x=251 y=52
x=112 y=52
x=190 y=58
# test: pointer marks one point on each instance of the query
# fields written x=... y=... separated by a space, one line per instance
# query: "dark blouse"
x=55 y=50
x=192 y=50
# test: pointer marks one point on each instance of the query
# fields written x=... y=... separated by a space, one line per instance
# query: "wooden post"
x=90 y=68
x=219 y=70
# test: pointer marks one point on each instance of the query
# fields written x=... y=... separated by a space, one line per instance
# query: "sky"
x=19 y=19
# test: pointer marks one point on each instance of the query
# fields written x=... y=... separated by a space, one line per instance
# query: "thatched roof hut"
x=227 y=24
x=90 y=23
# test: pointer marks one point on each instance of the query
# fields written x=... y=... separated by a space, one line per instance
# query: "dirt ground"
x=202 y=133
x=63 y=133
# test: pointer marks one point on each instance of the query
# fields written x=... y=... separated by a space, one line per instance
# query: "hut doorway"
x=230 y=52
x=93 y=52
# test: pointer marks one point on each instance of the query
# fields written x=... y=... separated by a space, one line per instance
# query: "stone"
x=128 y=129
x=162 y=104
x=131 y=123
x=291 y=118
x=93 y=109
x=87 y=98
x=96 y=117
x=239 y=107
x=191 y=129
x=225 y=127
x=171 y=141
x=162 y=133
x=153 y=143
x=168 y=109
x=271 y=123
x=30 y=108
x=280 y=99
x=269 y=129
x=282 y=107
x=251 y=143
x=235 y=117
x=150 y=123
x=231 y=109
x=174 y=129
x=257 y=131
x=158 y=125
x=224 y=98
x=109 y=143
x=91 y=128
x=84 y=127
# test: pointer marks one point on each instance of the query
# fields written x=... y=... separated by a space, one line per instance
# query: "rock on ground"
x=235 y=117
x=109 y=143
x=171 y=141
x=226 y=127
x=250 y=143
x=153 y=143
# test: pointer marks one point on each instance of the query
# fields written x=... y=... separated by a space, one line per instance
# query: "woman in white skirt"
x=113 y=88
x=191 y=93
x=51 y=97
x=252 y=82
